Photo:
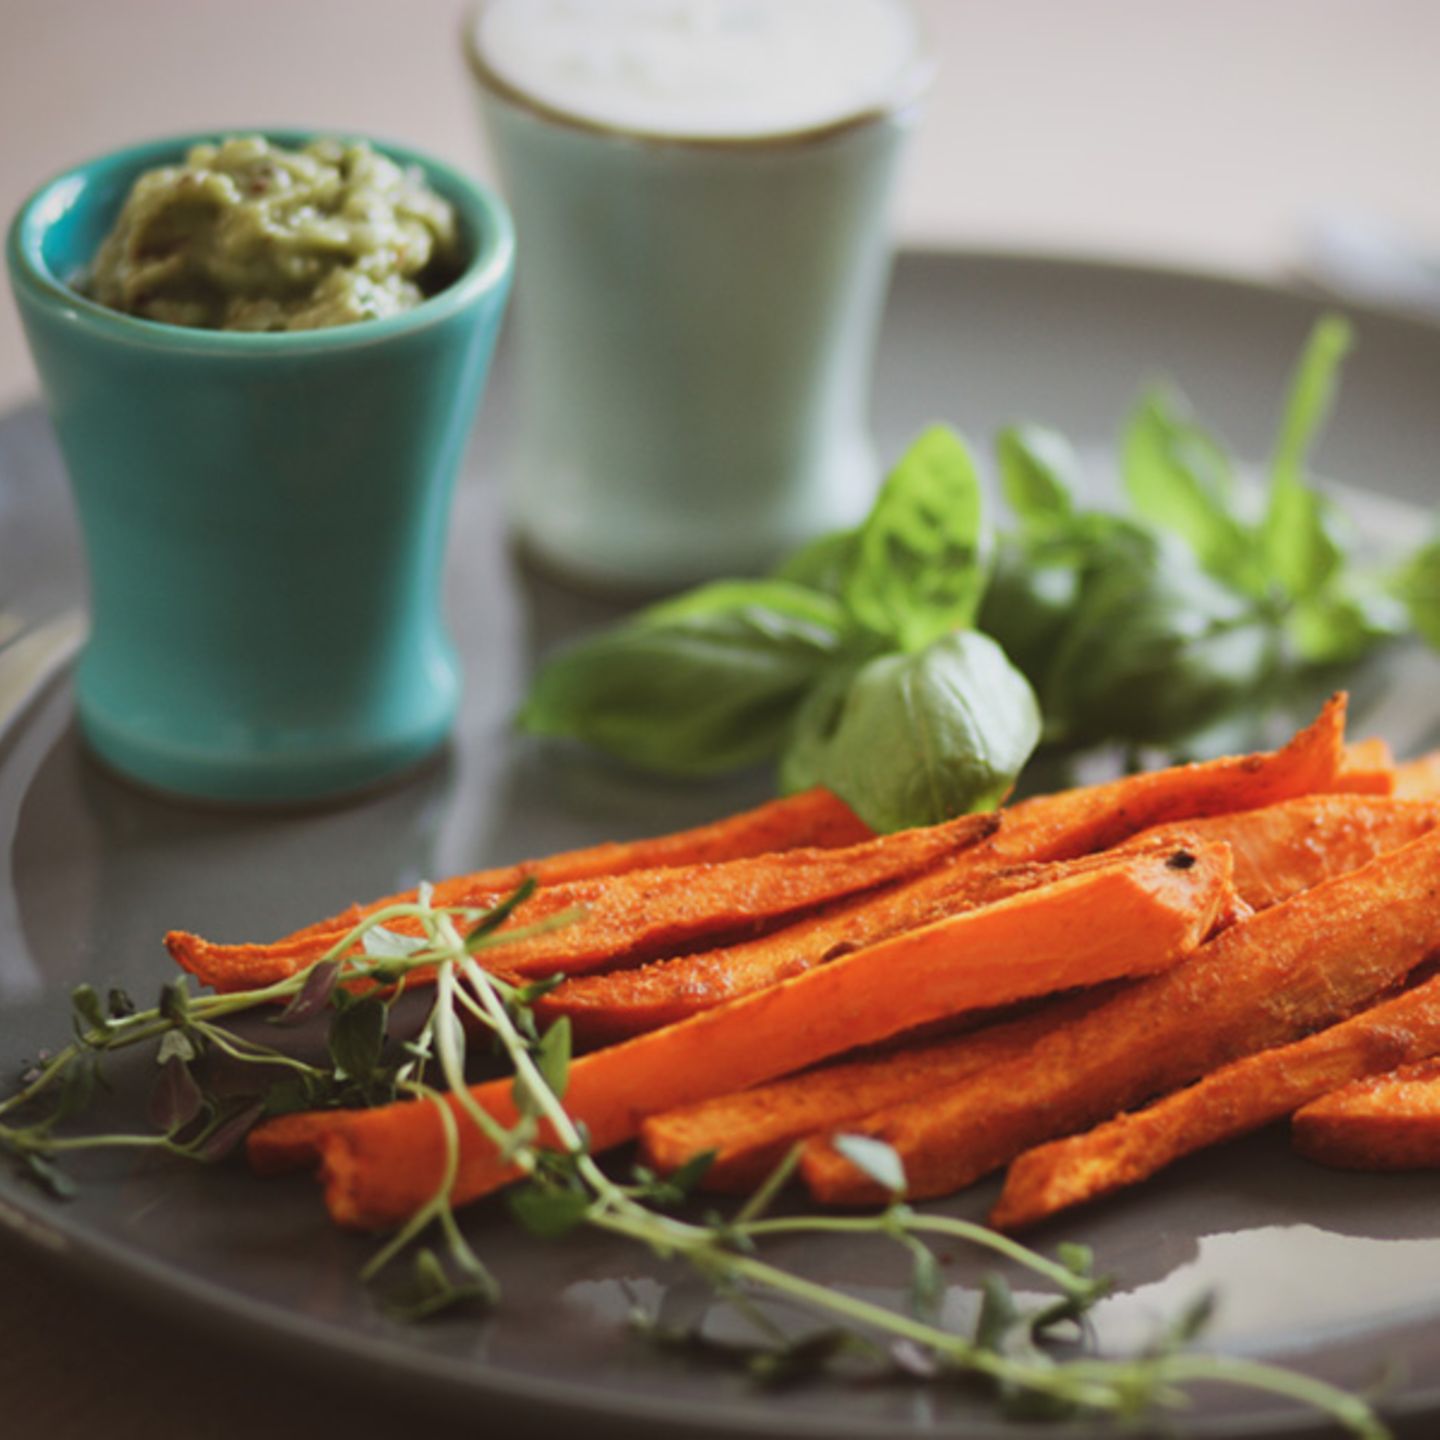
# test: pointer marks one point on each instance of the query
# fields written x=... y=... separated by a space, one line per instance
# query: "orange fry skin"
x=1286 y=848
x=1095 y=817
x=1380 y=1122
x=632 y=917
x=1266 y=981
x=811 y=820
x=1275 y=855
x=1279 y=851
x=1232 y=1101
x=1138 y=915
x=1419 y=779
x=604 y=1009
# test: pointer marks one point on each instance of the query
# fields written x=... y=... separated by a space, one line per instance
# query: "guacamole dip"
x=246 y=235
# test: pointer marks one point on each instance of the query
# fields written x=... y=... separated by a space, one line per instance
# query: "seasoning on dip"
x=246 y=235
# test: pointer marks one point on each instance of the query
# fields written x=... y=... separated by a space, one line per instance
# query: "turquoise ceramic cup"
x=264 y=514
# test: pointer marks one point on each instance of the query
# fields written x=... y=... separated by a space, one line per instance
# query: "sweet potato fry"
x=1286 y=848
x=1308 y=962
x=1419 y=779
x=1368 y=768
x=750 y=1131
x=606 y=1008
x=814 y=819
x=1279 y=851
x=1234 y=1100
x=1382 y=1122
x=1135 y=916
x=1095 y=817
x=636 y=916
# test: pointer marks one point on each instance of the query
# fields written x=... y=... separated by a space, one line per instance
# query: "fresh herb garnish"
x=886 y=662
x=1030 y=1357
x=856 y=666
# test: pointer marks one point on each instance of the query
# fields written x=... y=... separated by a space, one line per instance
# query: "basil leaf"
x=823 y=564
x=696 y=686
x=1039 y=475
x=1156 y=650
x=1028 y=604
x=912 y=740
x=1341 y=628
x=1301 y=548
x=1178 y=477
x=919 y=566
x=1418 y=586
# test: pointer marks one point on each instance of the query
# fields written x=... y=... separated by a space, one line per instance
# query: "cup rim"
x=910 y=88
x=485 y=214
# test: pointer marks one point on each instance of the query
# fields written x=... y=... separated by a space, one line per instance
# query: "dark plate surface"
x=1338 y=1274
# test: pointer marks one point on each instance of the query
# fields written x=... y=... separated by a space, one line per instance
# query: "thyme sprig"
x=1032 y=1358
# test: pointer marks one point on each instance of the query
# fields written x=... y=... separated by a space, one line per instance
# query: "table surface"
x=1202 y=133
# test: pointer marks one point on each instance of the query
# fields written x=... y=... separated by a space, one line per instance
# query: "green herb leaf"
x=1301 y=548
x=175 y=1001
x=548 y=1214
x=497 y=915
x=824 y=564
x=916 y=739
x=176 y=1100
x=1039 y=475
x=1418 y=587
x=313 y=995
x=998 y=1317
x=1179 y=477
x=552 y=1056
x=697 y=686
x=874 y=1158
x=378 y=943
x=1155 y=650
x=357 y=1038
x=920 y=564
x=175 y=1045
x=90 y=1014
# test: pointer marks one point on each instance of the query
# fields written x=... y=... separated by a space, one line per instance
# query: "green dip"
x=248 y=236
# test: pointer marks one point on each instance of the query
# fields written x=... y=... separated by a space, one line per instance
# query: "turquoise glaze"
x=264 y=514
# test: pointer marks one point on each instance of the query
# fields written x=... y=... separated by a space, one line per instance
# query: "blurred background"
x=1201 y=133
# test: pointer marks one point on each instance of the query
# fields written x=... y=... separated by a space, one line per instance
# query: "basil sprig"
x=855 y=665
x=890 y=662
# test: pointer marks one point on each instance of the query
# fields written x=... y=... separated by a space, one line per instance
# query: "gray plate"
x=1338 y=1274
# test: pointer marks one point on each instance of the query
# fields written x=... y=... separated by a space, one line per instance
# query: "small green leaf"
x=920 y=565
x=89 y=1012
x=176 y=1099
x=175 y=1045
x=497 y=915
x=357 y=1038
x=874 y=1158
x=313 y=996
x=696 y=686
x=998 y=1317
x=916 y=739
x=552 y=1056
x=548 y=1214
x=1039 y=475
x=1418 y=587
x=175 y=1001
x=1179 y=477
x=1301 y=548
x=823 y=564
x=381 y=944
x=77 y=1089
x=688 y=1177
x=1079 y=1260
x=927 y=1283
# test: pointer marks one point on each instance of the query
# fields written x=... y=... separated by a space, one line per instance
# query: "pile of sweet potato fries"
x=1199 y=951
